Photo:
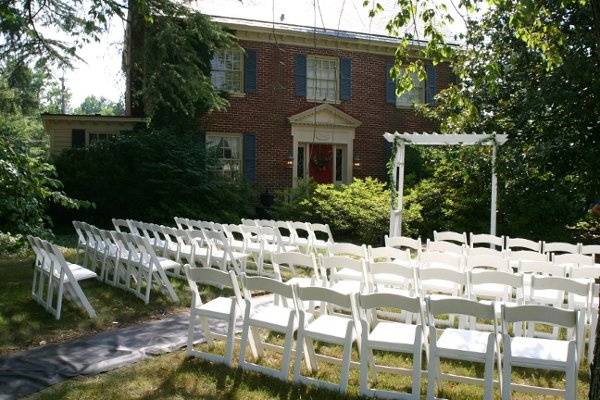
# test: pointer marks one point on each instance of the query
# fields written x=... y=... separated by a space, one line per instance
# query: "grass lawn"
x=24 y=323
x=174 y=376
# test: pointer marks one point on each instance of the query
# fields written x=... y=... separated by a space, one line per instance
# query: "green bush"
x=153 y=176
x=28 y=184
x=357 y=212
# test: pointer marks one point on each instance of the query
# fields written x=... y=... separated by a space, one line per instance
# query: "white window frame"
x=222 y=160
x=309 y=97
x=417 y=85
x=240 y=90
x=106 y=136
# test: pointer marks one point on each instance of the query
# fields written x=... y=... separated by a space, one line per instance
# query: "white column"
x=494 y=193
x=398 y=173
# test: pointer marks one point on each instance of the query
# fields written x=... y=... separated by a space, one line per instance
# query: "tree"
x=28 y=184
x=99 y=105
x=537 y=24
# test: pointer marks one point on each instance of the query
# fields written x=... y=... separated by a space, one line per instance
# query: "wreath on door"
x=320 y=162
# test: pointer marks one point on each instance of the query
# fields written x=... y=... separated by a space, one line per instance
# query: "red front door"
x=320 y=166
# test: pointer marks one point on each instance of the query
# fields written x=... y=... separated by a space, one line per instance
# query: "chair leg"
x=592 y=340
x=190 y=338
x=488 y=374
x=229 y=342
x=206 y=330
x=506 y=378
x=287 y=350
x=432 y=374
x=416 y=378
x=244 y=343
x=300 y=347
x=364 y=370
x=345 y=372
x=571 y=383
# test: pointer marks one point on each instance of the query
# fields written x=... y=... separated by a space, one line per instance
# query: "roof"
x=92 y=117
x=348 y=19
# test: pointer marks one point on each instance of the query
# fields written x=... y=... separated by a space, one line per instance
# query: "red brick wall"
x=266 y=112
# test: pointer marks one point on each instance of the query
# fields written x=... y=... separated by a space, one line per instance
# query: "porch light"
x=356 y=162
x=290 y=160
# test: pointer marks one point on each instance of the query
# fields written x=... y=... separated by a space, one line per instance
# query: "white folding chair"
x=440 y=260
x=405 y=243
x=536 y=353
x=444 y=247
x=248 y=222
x=450 y=236
x=256 y=246
x=592 y=250
x=222 y=308
x=523 y=244
x=301 y=236
x=326 y=327
x=55 y=278
x=554 y=248
x=492 y=241
x=235 y=236
x=293 y=261
x=442 y=283
x=516 y=256
x=143 y=269
x=499 y=287
x=182 y=223
x=462 y=344
x=572 y=261
x=121 y=225
x=564 y=288
x=485 y=251
x=390 y=277
x=389 y=336
x=529 y=268
x=489 y=262
x=274 y=318
x=220 y=254
x=195 y=247
x=589 y=275
x=321 y=237
x=348 y=250
x=284 y=230
x=275 y=242
x=343 y=274
x=269 y=223
x=389 y=254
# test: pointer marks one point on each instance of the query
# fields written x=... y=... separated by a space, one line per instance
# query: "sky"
x=100 y=72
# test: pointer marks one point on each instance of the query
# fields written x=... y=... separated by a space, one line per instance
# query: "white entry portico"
x=323 y=126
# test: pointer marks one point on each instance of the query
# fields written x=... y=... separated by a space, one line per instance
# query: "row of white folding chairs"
x=362 y=323
x=508 y=243
x=451 y=256
x=126 y=260
x=309 y=237
x=55 y=278
x=437 y=276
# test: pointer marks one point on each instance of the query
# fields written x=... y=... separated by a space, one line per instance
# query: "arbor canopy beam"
x=436 y=139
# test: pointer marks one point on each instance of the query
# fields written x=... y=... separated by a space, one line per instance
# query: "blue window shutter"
x=78 y=138
x=430 y=88
x=250 y=71
x=250 y=156
x=390 y=86
x=345 y=78
x=300 y=74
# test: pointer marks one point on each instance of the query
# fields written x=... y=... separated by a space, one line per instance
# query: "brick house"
x=309 y=102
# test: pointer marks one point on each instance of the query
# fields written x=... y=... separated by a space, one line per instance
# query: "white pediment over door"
x=324 y=115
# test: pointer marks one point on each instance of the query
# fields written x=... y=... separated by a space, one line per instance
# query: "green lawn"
x=174 y=376
x=24 y=323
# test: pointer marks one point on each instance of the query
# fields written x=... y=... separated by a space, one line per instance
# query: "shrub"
x=153 y=176
x=357 y=212
x=28 y=184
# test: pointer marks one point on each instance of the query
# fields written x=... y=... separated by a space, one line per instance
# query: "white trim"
x=436 y=139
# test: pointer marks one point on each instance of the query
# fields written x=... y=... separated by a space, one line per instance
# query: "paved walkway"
x=30 y=371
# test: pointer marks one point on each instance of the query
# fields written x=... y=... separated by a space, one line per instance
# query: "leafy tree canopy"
x=99 y=105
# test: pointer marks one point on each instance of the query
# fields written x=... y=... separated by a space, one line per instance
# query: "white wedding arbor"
x=401 y=140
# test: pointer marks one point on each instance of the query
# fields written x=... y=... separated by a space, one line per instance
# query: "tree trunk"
x=595 y=368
